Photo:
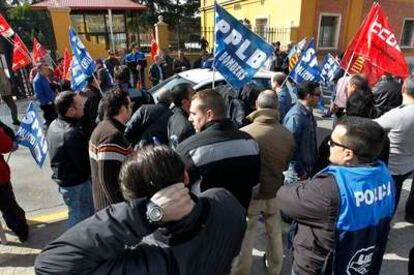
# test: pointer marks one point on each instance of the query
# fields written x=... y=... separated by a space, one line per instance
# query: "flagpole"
x=8 y=157
x=27 y=54
x=214 y=47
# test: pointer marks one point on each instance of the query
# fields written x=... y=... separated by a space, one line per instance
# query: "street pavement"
x=47 y=215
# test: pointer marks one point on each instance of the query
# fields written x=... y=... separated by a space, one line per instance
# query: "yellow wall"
x=61 y=22
x=279 y=13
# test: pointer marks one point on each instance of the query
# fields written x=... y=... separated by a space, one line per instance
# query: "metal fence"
x=271 y=35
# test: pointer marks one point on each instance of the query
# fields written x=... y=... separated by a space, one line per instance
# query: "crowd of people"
x=179 y=186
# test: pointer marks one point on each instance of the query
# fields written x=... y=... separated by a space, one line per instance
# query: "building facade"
x=333 y=23
x=101 y=24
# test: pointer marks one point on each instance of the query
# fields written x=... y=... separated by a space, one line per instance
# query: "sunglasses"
x=332 y=143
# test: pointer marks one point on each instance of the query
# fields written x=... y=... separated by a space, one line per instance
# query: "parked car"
x=202 y=79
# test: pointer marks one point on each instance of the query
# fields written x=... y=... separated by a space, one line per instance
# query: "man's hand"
x=174 y=201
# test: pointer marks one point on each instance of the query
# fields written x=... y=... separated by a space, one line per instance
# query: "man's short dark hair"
x=112 y=102
x=122 y=74
x=361 y=104
x=279 y=78
x=180 y=93
x=211 y=99
x=63 y=102
x=306 y=88
x=360 y=82
x=149 y=170
x=409 y=85
x=364 y=136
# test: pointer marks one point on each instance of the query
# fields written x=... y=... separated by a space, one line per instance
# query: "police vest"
x=367 y=199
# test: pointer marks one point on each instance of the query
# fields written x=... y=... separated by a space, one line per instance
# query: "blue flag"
x=87 y=64
x=238 y=52
x=30 y=134
x=307 y=68
x=78 y=80
x=329 y=68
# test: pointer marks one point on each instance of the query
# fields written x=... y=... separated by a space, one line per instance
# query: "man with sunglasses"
x=344 y=212
x=301 y=123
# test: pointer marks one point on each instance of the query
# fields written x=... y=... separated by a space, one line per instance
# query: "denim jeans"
x=79 y=201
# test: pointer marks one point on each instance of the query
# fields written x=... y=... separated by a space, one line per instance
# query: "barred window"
x=407 y=37
x=329 y=31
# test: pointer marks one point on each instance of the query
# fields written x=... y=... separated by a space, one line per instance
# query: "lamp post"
x=178 y=24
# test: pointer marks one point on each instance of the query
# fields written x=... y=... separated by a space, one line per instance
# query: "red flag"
x=154 y=48
x=21 y=55
x=5 y=29
x=374 y=49
x=67 y=60
x=38 y=50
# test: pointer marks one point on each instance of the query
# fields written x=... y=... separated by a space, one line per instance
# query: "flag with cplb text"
x=238 y=52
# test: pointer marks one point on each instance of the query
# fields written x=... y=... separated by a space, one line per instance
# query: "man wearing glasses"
x=344 y=212
x=301 y=123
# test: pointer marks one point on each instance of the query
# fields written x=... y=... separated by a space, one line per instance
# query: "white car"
x=202 y=79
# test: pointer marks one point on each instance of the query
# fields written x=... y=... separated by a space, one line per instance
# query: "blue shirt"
x=135 y=57
x=301 y=123
x=285 y=102
x=43 y=92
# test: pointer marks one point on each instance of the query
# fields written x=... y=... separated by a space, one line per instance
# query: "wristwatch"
x=154 y=213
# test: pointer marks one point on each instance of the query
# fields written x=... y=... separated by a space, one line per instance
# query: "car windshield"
x=170 y=83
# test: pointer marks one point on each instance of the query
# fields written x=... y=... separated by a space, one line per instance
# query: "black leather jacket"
x=147 y=122
x=68 y=151
x=387 y=94
x=111 y=242
x=179 y=128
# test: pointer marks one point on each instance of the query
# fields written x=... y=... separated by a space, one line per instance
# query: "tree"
x=174 y=12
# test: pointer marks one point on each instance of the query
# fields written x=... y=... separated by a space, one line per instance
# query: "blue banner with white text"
x=30 y=134
x=329 y=68
x=78 y=80
x=238 y=52
x=87 y=64
x=307 y=68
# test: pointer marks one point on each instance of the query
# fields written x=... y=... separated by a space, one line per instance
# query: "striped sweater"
x=108 y=148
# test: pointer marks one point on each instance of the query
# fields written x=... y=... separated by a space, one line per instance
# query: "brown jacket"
x=276 y=145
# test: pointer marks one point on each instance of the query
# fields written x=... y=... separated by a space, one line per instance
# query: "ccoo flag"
x=238 y=52
x=30 y=134
x=329 y=68
x=374 y=49
x=87 y=64
x=38 y=51
x=307 y=68
x=5 y=29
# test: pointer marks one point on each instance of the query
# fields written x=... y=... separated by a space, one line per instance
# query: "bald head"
x=267 y=100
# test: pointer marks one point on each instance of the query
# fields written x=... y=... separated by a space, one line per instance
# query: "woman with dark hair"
x=138 y=97
x=360 y=104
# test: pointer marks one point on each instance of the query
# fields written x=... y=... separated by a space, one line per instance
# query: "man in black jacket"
x=205 y=232
x=179 y=128
x=219 y=155
x=148 y=125
x=68 y=151
x=387 y=94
